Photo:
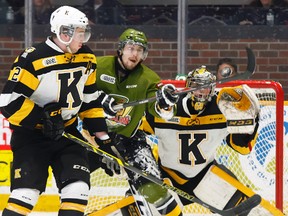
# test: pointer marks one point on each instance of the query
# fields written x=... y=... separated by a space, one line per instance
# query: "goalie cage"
x=264 y=170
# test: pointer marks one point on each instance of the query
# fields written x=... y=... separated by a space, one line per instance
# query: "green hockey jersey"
x=141 y=83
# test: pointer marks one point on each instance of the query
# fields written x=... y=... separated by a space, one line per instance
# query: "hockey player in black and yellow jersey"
x=50 y=85
x=188 y=141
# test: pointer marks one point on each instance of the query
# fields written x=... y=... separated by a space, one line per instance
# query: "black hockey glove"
x=108 y=102
x=53 y=125
x=110 y=166
x=165 y=96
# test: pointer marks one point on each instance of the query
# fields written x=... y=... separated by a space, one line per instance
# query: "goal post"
x=264 y=170
x=279 y=124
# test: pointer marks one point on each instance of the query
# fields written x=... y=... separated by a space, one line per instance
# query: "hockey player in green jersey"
x=124 y=78
x=49 y=87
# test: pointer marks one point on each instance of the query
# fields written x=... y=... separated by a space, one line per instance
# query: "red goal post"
x=278 y=102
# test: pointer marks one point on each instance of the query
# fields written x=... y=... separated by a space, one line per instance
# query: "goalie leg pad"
x=214 y=190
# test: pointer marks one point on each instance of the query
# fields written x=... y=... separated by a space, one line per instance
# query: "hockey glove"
x=166 y=97
x=108 y=102
x=240 y=106
x=53 y=125
x=110 y=166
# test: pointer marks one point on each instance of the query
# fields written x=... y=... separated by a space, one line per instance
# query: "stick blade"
x=247 y=205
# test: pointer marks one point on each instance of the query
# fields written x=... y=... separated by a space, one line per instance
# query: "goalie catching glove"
x=240 y=106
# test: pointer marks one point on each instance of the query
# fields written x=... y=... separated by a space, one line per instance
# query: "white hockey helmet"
x=66 y=19
x=197 y=78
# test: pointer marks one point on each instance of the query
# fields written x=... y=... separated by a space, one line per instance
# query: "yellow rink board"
x=46 y=203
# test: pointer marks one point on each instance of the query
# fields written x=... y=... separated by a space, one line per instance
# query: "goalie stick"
x=251 y=64
x=243 y=207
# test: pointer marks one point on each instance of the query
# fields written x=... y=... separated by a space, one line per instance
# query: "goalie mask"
x=132 y=37
x=65 y=20
x=197 y=78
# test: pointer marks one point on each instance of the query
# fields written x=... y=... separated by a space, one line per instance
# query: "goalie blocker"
x=240 y=107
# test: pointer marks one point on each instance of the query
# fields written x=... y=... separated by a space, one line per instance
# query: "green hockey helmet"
x=133 y=37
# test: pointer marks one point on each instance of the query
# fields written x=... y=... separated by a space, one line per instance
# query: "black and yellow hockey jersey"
x=188 y=141
x=44 y=74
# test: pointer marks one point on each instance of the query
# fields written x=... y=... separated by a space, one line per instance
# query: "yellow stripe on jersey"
x=72 y=206
x=17 y=208
x=194 y=120
x=85 y=57
x=63 y=59
x=244 y=150
x=70 y=122
x=92 y=113
x=175 y=211
x=24 y=77
x=22 y=113
x=176 y=177
x=91 y=79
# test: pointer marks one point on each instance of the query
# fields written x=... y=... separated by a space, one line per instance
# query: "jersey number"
x=190 y=152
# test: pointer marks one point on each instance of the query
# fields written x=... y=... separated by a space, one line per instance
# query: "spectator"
x=225 y=68
x=103 y=12
x=18 y=8
x=255 y=13
x=42 y=10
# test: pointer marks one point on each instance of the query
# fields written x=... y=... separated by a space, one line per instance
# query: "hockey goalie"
x=188 y=141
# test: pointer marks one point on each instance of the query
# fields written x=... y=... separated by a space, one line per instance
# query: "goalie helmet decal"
x=201 y=77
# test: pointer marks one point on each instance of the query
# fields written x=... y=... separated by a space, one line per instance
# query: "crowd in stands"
x=112 y=12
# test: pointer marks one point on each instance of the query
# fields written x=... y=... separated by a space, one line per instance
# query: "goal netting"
x=264 y=170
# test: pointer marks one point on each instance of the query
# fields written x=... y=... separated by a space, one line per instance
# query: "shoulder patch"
x=49 y=61
x=108 y=79
x=27 y=51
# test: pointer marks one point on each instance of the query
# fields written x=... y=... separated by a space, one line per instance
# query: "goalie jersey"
x=44 y=74
x=188 y=141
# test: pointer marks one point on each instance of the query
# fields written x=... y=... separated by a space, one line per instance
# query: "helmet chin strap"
x=66 y=43
x=68 y=48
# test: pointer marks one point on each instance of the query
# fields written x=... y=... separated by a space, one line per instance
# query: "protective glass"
x=78 y=34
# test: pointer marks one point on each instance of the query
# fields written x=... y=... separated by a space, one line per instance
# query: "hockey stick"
x=245 y=206
x=251 y=63
x=143 y=208
x=141 y=203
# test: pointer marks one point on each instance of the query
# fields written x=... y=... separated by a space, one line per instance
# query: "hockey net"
x=264 y=170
